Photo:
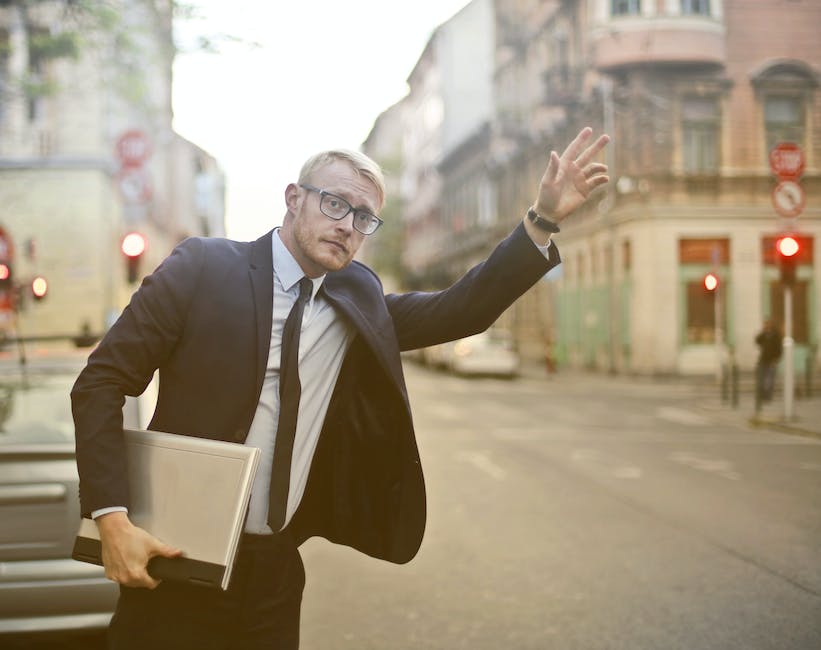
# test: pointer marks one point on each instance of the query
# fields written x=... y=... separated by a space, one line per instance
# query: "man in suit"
x=214 y=320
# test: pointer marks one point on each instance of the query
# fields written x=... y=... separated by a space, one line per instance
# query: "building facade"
x=87 y=155
x=695 y=93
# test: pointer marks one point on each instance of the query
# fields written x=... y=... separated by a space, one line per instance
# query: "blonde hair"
x=363 y=165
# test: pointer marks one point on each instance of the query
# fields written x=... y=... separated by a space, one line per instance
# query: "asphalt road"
x=586 y=513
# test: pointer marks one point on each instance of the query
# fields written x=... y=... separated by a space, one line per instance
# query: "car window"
x=35 y=410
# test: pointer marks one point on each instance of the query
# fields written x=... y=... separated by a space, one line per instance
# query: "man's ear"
x=292 y=198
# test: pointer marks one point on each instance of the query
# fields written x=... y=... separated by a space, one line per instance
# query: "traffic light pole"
x=718 y=334
x=789 y=376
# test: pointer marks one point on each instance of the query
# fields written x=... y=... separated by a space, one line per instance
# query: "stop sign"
x=787 y=160
x=133 y=148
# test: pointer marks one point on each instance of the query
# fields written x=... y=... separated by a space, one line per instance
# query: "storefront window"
x=697 y=259
x=701 y=312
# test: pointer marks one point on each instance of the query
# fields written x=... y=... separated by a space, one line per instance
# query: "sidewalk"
x=704 y=398
x=805 y=419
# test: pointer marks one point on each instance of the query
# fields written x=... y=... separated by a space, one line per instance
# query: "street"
x=586 y=512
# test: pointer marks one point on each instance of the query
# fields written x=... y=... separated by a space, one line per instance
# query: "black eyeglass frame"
x=323 y=193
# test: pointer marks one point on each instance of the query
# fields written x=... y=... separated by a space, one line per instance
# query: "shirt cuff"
x=105 y=511
x=544 y=250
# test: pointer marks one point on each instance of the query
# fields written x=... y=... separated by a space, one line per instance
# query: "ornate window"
x=783 y=119
x=700 y=122
x=784 y=88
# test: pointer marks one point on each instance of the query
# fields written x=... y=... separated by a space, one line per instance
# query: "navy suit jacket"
x=203 y=318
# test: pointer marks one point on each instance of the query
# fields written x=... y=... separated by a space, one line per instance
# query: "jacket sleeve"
x=123 y=364
x=475 y=301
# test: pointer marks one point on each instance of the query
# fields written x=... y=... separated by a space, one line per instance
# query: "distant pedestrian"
x=550 y=355
x=769 y=344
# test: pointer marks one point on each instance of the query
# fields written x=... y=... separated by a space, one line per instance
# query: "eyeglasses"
x=336 y=208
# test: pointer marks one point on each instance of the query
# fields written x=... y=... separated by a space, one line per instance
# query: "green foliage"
x=44 y=46
x=33 y=86
x=102 y=14
x=89 y=27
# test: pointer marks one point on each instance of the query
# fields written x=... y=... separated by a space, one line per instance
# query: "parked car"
x=487 y=353
x=435 y=356
x=41 y=588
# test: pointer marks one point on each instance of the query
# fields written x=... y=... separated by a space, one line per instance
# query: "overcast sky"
x=322 y=73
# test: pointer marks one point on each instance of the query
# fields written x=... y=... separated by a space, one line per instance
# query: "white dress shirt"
x=323 y=343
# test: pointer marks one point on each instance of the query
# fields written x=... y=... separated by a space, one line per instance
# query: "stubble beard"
x=323 y=256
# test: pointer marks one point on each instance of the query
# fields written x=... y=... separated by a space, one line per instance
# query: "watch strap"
x=541 y=223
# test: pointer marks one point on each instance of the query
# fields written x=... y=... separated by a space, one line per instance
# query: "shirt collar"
x=287 y=269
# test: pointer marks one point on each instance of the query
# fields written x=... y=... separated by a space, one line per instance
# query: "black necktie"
x=289 y=392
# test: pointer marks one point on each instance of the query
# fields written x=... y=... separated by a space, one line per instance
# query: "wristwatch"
x=541 y=223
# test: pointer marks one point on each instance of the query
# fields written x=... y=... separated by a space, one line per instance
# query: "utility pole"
x=608 y=205
x=788 y=248
x=788 y=345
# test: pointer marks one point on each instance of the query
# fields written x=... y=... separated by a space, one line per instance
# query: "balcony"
x=640 y=40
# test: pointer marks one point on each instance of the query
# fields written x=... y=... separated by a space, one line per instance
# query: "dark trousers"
x=259 y=610
x=766 y=371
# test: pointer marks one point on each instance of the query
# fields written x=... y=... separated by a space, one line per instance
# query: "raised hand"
x=570 y=178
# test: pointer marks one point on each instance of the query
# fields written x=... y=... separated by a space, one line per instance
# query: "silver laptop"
x=191 y=493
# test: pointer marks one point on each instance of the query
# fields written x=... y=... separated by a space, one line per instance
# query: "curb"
x=710 y=407
x=783 y=427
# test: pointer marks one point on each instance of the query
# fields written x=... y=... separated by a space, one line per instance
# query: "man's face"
x=317 y=242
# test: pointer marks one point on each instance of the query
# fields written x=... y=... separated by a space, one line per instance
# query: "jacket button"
x=239 y=435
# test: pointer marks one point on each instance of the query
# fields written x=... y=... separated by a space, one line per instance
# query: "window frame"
x=775 y=132
x=698 y=256
x=693 y=156
x=625 y=7
x=790 y=79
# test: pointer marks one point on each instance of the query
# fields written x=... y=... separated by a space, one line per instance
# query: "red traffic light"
x=5 y=272
x=133 y=247
x=711 y=282
x=134 y=244
x=39 y=287
x=788 y=249
x=787 y=246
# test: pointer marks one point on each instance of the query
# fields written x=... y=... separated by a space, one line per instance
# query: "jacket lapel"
x=363 y=304
x=261 y=273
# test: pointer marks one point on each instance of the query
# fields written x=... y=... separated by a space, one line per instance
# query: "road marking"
x=482 y=461
x=524 y=433
x=680 y=416
x=596 y=460
x=627 y=472
x=719 y=467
